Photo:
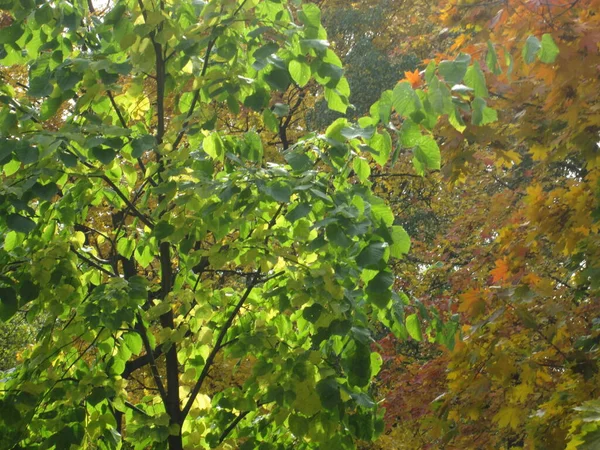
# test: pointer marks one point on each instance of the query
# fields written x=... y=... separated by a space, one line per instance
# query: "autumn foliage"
x=515 y=249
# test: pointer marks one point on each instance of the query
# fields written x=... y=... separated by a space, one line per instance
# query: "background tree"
x=518 y=264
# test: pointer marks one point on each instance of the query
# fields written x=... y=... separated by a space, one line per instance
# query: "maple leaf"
x=538 y=152
x=520 y=392
x=508 y=416
x=459 y=41
x=472 y=302
x=414 y=78
x=501 y=272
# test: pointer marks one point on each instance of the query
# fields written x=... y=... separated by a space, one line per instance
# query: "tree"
x=519 y=264
x=198 y=288
x=192 y=292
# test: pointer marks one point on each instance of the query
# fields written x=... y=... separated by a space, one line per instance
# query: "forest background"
x=498 y=346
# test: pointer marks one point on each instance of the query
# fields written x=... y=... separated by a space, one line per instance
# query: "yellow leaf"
x=508 y=416
x=521 y=392
x=542 y=377
x=538 y=152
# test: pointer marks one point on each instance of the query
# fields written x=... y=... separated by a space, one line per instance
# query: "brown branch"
x=232 y=425
x=141 y=329
x=196 y=97
x=211 y=357
x=94 y=264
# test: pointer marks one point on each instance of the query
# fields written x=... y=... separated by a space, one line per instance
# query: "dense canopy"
x=226 y=225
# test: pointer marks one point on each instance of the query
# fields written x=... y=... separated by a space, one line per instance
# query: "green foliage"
x=194 y=286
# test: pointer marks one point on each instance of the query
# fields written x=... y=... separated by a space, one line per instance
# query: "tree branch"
x=232 y=425
x=196 y=97
x=211 y=357
x=94 y=264
x=141 y=329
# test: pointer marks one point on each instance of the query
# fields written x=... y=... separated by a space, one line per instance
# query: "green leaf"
x=337 y=235
x=372 y=254
x=266 y=51
x=20 y=223
x=401 y=242
x=482 y=114
x=475 y=79
x=8 y=303
x=142 y=144
x=300 y=211
x=11 y=34
x=384 y=109
x=125 y=247
x=410 y=134
x=413 y=325
x=491 y=59
x=335 y=101
x=353 y=132
x=214 y=147
x=310 y=15
x=381 y=283
x=329 y=393
x=404 y=99
x=426 y=155
x=298 y=161
x=312 y=312
x=104 y=155
x=143 y=255
x=439 y=97
x=270 y=121
x=454 y=71
x=163 y=230
x=281 y=109
x=280 y=191
x=531 y=49
x=320 y=45
x=363 y=400
x=254 y=147
x=26 y=153
x=44 y=14
x=358 y=365
x=300 y=72
x=334 y=131
x=381 y=211
x=382 y=144
x=278 y=79
x=28 y=291
x=362 y=169
x=133 y=341
x=549 y=50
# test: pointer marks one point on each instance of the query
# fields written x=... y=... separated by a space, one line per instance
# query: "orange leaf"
x=414 y=78
x=501 y=272
x=472 y=302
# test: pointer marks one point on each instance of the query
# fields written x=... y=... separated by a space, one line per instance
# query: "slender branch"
x=211 y=357
x=141 y=361
x=116 y=108
x=392 y=175
x=136 y=409
x=145 y=220
x=232 y=425
x=144 y=334
x=126 y=212
x=93 y=263
x=196 y=97
x=143 y=9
